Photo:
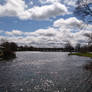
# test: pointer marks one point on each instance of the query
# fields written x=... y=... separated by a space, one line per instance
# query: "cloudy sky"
x=41 y=23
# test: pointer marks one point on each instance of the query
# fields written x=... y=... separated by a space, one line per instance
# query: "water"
x=45 y=72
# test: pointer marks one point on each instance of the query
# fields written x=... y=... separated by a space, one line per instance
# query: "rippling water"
x=45 y=72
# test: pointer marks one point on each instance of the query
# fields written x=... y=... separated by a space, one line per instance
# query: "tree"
x=89 y=36
x=3 y=41
x=10 y=45
x=84 y=9
x=77 y=47
x=9 y=49
x=69 y=47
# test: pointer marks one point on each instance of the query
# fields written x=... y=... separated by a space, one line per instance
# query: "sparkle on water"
x=45 y=72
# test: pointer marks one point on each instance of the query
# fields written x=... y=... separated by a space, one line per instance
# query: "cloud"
x=65 y=2
x=18 y=8
x=47 y=11
x=70 y=2
x=12 y=8
x=48 y=1
x=39 y=38
x=50 y=37
x=62 y=31
x=50 y=32
x=71 y=22
x=14 y=32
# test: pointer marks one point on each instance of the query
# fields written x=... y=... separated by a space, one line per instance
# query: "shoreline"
x=82 y=54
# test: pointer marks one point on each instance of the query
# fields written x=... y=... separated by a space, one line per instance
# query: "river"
x=45 y=72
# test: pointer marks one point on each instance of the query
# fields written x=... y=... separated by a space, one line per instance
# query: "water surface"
x=45 y=72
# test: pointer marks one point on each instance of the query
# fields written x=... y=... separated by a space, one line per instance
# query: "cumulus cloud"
x=12 y=8
x=14 y=32
x=18 y=8
x=50 y=32
x=71 y=22
x=39 y=38
x=62 y=30
x=50 y=37
x=47 y=11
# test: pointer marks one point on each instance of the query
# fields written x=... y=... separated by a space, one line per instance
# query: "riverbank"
x=4 y=55
x=82 y=54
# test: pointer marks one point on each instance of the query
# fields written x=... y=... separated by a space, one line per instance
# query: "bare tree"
x=77 y=47
x=89 y=36
x=3 y=40
x=68 y=46
x=84 y=8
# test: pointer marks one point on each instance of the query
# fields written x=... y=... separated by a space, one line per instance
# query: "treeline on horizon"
x=14 y=47
x=11 y=46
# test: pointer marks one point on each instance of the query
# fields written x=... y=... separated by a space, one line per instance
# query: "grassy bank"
x=82 y=54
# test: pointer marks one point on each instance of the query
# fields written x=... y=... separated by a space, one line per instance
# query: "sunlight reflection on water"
x=45 y=72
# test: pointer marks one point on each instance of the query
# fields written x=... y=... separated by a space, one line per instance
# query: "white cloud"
x=70 y=2
x=66 y=2
x=69 y=23
x=62 y=30
x=50 y=37
x=12 y=8
x=48 y=1
x=18 y=8
x=47 y=11
x=14 y=32
x=55 y=36
x=50 y=32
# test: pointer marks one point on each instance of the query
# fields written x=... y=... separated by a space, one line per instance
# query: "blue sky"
x=40 y=22
x=8 y=23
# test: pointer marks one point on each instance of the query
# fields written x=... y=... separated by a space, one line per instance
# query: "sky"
x=41 y=23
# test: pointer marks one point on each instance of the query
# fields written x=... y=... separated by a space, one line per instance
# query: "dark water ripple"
x=45 y=72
